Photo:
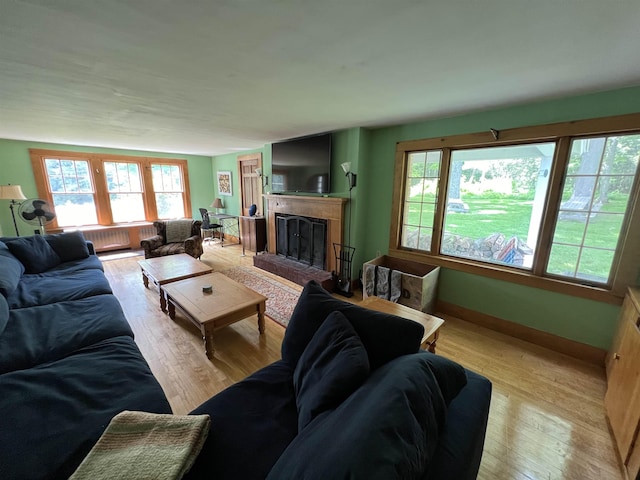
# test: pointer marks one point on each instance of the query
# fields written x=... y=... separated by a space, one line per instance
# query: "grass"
x=578 y=244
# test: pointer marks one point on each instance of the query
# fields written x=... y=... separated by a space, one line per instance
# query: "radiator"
x=108 y=239
x=146 y=232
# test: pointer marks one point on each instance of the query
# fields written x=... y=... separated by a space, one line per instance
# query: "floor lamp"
x=11 y=192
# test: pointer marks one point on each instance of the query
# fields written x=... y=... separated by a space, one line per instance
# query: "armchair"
x=183 y=235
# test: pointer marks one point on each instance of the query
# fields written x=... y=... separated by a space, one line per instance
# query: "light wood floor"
x=547 y=419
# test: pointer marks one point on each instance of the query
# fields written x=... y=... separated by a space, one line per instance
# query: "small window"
x=420 y=199
x=169 y=189
x=595 y=200
x=72 y=191
x=125 y=191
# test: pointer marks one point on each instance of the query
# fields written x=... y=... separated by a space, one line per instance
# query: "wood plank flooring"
x=547 y=418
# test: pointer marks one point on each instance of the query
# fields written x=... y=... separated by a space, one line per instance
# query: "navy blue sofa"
x=352 y=397
x=68 y=361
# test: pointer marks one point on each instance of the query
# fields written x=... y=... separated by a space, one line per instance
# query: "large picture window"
x=548 y=206
x=101 y=189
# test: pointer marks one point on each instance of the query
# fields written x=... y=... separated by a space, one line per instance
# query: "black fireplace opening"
x=303 y=239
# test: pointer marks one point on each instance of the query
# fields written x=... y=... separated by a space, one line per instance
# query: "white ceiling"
x=214 y=76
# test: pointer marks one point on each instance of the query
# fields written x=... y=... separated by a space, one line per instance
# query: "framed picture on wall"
x=224 y=183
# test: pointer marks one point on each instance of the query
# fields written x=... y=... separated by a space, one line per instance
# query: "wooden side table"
x=430 y=323
x=254 y=233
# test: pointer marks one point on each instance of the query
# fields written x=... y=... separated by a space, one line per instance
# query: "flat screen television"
x=301 y=165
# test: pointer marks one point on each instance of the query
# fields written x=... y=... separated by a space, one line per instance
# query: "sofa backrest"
x=384 y=336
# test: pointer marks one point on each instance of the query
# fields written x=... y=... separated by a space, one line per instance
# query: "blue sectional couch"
x=68 y=361
x=352 y=397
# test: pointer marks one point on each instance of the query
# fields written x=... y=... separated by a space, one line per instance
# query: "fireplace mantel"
x=330 y=209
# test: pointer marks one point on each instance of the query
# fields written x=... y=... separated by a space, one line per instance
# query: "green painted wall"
x=371 y=152
x=15 y=168
x=578 y=319
x=229 y=163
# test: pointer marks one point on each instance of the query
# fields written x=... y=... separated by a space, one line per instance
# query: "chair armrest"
x=151 y=243
x=91 y=247
x=193 y=246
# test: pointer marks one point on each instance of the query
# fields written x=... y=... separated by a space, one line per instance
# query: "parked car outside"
x=457 y=205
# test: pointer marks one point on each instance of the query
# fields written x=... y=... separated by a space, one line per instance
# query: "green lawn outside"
x=511 y=215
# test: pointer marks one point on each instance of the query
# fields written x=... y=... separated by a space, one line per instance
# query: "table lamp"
x=217 y=204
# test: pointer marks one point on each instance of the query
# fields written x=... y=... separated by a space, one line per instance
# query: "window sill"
x=513 y=276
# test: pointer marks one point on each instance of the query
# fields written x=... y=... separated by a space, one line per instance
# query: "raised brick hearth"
x=292 y=270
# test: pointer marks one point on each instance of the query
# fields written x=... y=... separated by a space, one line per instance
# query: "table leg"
x=145 y=280
x=207 y=338
x=172 y=310
x=432 y=344
x=261 y=310
x=163 y=300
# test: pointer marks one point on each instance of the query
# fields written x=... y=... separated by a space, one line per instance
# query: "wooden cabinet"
x=622 y=400
x=254 y=233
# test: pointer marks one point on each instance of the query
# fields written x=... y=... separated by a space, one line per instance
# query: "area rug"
x=281 y=299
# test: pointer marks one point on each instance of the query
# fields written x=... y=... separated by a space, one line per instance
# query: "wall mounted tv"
x=301 y=165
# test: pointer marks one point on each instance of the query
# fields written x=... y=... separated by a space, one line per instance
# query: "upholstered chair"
x=174 y=236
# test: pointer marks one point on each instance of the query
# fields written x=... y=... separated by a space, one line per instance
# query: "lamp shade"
x=11 y=192
x=217 y=203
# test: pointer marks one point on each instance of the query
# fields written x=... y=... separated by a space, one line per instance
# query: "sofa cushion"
x=44 y=289
x=332 y=367
x=252 y=422
x=384 y=336
x=395 y=417
x=68 y=245
x=4 y=313
x=11 y=270
x=34 y=252
x=54 y=413
x=38 y=335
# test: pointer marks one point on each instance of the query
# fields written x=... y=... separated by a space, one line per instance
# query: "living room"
x=573 y=323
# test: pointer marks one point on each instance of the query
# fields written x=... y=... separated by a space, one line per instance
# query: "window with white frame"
x=552 y=202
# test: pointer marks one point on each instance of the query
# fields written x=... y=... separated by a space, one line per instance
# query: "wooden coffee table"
x=171 y=268
x=229 y=302
x=430 y=323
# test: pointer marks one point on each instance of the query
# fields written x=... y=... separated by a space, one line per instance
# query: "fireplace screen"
x=302 y=239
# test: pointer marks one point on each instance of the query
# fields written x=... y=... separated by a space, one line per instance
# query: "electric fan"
x=37 y=212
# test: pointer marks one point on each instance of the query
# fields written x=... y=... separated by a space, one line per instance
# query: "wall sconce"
x=217 y=204
x=351 y=177
x=265 y=178
x=11 y=192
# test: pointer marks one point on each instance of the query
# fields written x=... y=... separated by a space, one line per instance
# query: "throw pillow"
x=11 y=270
x=332 y=367
x=384 y=336
x=4 y=313
x=387 y=429
x=34 y=252
x=178 y=230
x=69 y=245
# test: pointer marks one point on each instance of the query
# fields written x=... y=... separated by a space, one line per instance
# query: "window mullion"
x=554 y=198
x=148 y=194
x=443 y=181
x=103 y=205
